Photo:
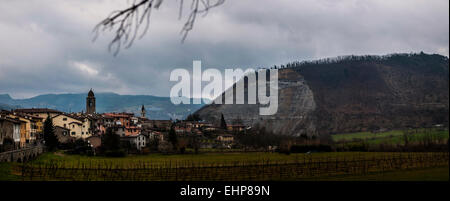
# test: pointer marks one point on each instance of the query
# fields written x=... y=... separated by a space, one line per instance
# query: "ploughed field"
x=259 y=166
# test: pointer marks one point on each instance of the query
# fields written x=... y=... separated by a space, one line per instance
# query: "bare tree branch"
x=126 y=24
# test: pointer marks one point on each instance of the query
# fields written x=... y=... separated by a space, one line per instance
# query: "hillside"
x=157 y=107
x=352 y=94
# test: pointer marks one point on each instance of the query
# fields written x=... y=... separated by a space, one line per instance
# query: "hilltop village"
x=21 y=128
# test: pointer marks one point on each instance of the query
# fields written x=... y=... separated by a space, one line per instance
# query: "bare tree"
x=127 y=23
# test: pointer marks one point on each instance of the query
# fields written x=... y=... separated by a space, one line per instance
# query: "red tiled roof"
x=118 y=114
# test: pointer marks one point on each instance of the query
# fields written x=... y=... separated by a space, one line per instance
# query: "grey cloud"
x=42 y=42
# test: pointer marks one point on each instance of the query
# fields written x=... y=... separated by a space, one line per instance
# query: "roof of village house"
x=74 y=116
x=123 y=114
x=27 y=117
x=70 y=116
x=107 y=117
x=3 y=118
x=85 y=116
x=37 y=110
x=23 y=115
x=133 y=136
x=93 y=116
x=30 y=116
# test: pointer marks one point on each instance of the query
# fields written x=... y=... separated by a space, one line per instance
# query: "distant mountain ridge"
x=156 y=107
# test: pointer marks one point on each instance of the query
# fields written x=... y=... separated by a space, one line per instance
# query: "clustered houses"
x=192 y=127
x=23 y=127
x=9 y=133
x=19 y=130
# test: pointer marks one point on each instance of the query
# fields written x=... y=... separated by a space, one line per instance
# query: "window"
x=64 y=119
x=73 y=133
x=64 y=133
x=82 y=133
x=64 y=125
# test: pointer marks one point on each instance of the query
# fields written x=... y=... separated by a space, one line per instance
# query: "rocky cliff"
x=350 y=94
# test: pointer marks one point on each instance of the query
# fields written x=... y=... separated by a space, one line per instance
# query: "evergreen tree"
x=195 y=143
x=51 y=141
x=111 y=144
x=154 y=143
x=173 y=137
x=223 y=123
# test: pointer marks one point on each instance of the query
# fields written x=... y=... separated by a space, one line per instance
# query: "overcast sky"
x=46 y=46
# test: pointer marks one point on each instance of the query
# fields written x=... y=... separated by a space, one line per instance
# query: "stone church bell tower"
x=90 y=103
x=143 y=111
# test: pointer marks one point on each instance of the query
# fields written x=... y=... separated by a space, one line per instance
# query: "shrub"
x=79 y=146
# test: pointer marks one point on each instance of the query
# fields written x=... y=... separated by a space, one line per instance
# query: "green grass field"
x=240 y=166
x=6 y=173
x=204 y=159
x=393 y=137
x=208 y=159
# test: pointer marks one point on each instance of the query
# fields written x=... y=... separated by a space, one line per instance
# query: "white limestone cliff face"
x=295 y=107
